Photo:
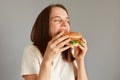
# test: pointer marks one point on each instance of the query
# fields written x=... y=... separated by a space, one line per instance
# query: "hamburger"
x=76 y=38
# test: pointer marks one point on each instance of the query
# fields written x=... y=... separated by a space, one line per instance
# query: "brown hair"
x=40 y=31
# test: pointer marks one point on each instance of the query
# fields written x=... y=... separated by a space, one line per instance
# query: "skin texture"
x=59 y=22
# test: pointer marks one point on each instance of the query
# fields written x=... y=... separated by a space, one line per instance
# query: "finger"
x=61 y=39
x=57 y=41
x=64 y=48
x=84 y=47
x=61 y=44
x=84 y=40
x=76 y=49
x=84 y=43
x=56 y=37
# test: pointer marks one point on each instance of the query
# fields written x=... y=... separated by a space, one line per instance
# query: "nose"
x=64 y=23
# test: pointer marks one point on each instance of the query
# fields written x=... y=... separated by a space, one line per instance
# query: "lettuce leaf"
x=74 y=42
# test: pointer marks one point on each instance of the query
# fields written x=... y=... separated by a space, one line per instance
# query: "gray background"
x=97 y=20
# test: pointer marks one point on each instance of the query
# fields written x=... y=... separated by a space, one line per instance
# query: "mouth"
x=63 y=30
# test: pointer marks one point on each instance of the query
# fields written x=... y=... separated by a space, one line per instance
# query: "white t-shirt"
x=32 y=59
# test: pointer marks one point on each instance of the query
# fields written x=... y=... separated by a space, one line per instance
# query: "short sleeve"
x=31 y=60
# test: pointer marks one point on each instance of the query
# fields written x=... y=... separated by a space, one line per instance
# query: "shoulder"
x=31 y=47
x=31 y=60
x=32 y=50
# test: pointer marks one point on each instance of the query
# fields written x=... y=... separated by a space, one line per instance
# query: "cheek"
x=69 y=28
x=53 y=30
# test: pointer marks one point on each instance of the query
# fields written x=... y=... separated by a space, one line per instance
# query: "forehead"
x=57 y=11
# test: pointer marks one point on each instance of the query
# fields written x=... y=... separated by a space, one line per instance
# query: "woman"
x=48 y=58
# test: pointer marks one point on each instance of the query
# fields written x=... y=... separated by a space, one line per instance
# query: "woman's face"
x=58 y=21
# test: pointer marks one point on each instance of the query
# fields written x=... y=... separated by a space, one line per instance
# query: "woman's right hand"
x=55 y=47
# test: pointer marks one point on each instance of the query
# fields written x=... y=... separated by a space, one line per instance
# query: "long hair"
x=40 y=31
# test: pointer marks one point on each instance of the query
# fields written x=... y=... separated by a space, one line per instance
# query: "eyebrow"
x=58 y=17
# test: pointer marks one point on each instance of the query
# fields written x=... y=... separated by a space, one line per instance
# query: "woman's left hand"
x=80 y=50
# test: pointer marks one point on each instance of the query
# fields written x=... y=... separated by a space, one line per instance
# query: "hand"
x=80 y=50
x=56 y=46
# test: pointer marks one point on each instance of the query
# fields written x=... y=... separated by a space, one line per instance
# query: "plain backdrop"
x=97 y=20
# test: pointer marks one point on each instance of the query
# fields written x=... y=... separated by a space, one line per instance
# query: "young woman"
x=48 y=58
